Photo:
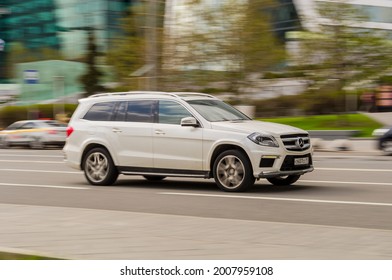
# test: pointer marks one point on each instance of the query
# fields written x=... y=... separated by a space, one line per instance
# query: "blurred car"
x=36 y=134
x=384 y=137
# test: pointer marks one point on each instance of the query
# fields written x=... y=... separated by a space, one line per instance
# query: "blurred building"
x=56 y=29
x=378 y=12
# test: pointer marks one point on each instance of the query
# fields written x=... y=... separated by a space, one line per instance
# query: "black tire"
x=4 y=144
x=284 y=180
x=386 y=147
x=99 y=168
x=154 y=177
x=233 y=171
x=37 y=144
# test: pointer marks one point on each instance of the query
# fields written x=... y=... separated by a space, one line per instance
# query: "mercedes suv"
x=158 y=134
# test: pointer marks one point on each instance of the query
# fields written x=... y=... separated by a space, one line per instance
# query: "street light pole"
x=151 y=44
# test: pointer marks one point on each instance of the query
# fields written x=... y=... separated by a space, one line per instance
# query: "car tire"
x=4 y=144
x=233 y=171
x=99 y=168
x=284 y=180
x=386 y=147
x=154 y=177
x=37 y=144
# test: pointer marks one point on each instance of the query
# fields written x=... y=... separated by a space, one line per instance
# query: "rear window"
x=100 y=112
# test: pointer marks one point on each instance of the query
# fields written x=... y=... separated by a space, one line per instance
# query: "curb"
x=368 y=145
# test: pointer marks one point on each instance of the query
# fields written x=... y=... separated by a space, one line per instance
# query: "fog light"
x=267 y=161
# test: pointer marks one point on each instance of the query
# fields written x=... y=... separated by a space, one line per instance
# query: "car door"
x=176 y=147
x=27 y=133
x=131 y=134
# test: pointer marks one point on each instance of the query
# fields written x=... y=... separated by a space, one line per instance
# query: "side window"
x=28 y=125
x=171 y=112
x=141 y=111
x=100 y=112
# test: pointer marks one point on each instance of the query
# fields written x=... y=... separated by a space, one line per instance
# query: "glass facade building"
x=59 y=24
x=285 y=18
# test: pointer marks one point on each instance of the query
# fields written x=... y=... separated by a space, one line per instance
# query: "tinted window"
x=171 y=112
x=28 y=125
x=100 y=112
x=140 y=111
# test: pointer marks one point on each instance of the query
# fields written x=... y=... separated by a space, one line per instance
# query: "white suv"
x=158 y=134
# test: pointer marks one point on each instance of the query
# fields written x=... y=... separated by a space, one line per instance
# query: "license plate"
x=301 y=161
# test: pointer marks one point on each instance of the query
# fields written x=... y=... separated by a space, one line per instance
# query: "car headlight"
x=380 y=132
x=263 y=140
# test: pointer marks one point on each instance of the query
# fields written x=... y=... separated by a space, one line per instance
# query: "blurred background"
x=281 y=57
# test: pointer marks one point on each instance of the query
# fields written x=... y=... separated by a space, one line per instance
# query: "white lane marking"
x=280 y=199
x=353 y=169
x=43 y=186
x=335 y=156
x=31 y=155
x=343 y=182
x=30 y=161
x=40 y=171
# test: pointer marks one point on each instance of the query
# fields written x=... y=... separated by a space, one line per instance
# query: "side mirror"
x=189 y=121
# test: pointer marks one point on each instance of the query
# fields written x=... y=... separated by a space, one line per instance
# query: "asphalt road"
x=341 y=210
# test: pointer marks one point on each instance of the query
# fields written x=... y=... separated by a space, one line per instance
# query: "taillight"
x=69 y=130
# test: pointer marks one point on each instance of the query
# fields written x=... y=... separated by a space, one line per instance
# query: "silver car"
x=36 y=134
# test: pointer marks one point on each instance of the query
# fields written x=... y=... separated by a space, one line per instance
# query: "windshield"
x=217 y=110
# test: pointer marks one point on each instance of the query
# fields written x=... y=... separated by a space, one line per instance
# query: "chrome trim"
x=165 y=174
x=271 y=174
x=295 y=141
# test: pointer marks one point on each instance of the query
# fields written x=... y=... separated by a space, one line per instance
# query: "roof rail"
x=173 y=94
x=125 y=93
x=185 y=94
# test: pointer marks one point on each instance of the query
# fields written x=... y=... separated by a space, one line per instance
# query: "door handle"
x=116 y=130
x=159 y=132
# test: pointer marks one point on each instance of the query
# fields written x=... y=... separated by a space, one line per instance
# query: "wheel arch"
x=225 y=147
x=88 y=148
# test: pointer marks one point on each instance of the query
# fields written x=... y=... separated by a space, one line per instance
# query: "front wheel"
x=386 y=147
x=99 y=168
x=284 y=180
x=4 y=144
x=233 y=171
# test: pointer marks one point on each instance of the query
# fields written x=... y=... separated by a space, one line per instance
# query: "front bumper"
x=271 y=174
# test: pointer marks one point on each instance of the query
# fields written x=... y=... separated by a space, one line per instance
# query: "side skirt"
x=129 y=170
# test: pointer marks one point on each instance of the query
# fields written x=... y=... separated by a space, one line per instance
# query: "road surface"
x=342 y=210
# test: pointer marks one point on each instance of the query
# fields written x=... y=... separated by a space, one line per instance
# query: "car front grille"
x=296 y=142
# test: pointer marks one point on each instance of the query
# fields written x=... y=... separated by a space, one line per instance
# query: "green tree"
x=91 y=79
x=342 y=51
x=233 y=37
x=18 y=53
x=127 y=51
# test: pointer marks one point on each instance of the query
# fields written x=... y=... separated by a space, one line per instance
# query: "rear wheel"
x=284 y=180
x=99 y=168
x=233 y=171
x=37 y=143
